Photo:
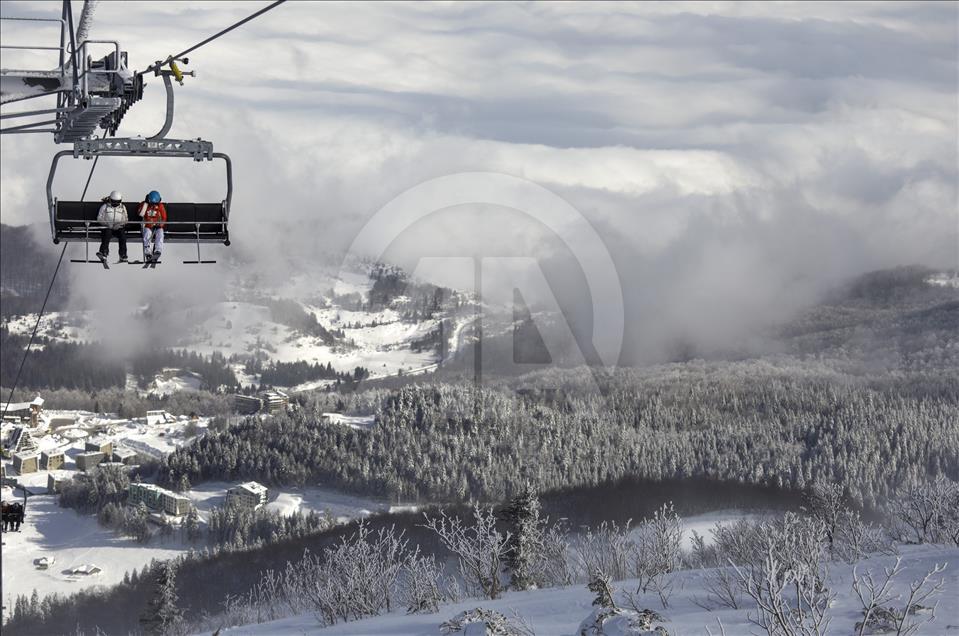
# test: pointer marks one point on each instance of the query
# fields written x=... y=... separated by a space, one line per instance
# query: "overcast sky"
x=735 y=156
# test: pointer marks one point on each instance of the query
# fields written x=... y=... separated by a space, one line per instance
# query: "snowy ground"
x=558 y=612
x=65 y=326
x=170 y=381
x=239 y=328
x=73 y=540
x=340 y=506
x=358 y=422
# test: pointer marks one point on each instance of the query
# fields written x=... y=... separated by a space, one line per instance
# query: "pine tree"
x=525 y=526
x=35 y=605
x=192 y=525
x=163 y=616
x=600 y=584
x=20 y=608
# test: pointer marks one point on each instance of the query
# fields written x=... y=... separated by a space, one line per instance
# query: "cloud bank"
x=736 y=159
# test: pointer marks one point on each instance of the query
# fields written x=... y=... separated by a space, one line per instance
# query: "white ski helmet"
x=116 y=197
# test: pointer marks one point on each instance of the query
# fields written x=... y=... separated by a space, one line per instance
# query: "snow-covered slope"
x=241 y=323
x=559 y=611
x=72 y=540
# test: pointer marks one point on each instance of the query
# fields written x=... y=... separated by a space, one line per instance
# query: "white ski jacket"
x=112 y=216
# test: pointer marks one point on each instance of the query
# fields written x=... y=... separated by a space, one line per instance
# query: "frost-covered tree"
x=480 y=548
x=356 y=578
x=608 y=548
x=163 y=615
x=874 y=591
x=827 y=503
x=787 y=578
x=191 y=525
x=928 y=512
x=525 y=560
x=420 y=585
x=659 y=551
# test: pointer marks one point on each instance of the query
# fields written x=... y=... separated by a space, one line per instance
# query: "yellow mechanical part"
x=177 y=73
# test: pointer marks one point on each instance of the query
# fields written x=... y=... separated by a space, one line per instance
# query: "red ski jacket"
x=153 y=215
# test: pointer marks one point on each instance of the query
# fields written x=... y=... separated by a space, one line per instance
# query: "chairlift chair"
x=76 y=221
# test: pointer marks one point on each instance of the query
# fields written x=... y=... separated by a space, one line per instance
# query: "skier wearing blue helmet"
x=153 y=214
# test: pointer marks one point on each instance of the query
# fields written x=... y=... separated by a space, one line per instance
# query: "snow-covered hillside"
x=385 y=339
x=71 y=540
x=559 y=611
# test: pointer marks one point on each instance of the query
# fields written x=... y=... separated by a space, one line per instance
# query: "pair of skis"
x=152 y=263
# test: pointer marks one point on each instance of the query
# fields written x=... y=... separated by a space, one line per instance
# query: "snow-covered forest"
x=761 y=422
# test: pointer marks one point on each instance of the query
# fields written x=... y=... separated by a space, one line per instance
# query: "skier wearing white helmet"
x=113 y=218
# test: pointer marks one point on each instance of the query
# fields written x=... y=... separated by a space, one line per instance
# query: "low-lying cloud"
x=736 y=159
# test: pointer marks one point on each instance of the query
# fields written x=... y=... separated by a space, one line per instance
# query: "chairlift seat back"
x=186 y=222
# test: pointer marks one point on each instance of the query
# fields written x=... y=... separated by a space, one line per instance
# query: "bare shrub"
x=874 y=592
x=480 y=549
x=787 y=582
x=928 y=513
x=723 y=589
x=858 y=539
x=659 y=552
x=740 y=542
x=609 y=548
x=556 y=567
x=419 y=585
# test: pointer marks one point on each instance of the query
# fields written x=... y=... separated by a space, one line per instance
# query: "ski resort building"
x=52 y=460
x=20 y=440
x=54 y=483
x=25 y=412
x=272 y=401
x=26 y=462
x=275 y=401
x=44 y=563
x=158 y=499
x=89 y=460
x=99 y=445
x=125 y=456
x=158 y=418
x=247 y=404
x=249 y=495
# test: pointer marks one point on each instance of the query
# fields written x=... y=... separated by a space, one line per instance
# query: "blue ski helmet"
x=153 y=197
